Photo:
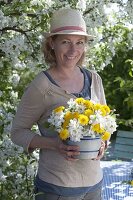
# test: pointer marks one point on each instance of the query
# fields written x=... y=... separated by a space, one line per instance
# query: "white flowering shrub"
x=22 y=24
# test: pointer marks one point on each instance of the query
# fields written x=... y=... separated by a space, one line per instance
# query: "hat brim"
x=90 y=37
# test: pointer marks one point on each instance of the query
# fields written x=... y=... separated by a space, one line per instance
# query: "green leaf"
x=131 y=73
x=46 y=124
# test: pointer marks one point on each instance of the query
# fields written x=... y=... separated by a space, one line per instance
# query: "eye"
x=80 y=43
x=65 y=42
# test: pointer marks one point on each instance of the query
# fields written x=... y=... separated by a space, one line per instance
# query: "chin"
x=71 y=63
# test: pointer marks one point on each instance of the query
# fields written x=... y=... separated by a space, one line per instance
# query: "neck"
x=66 y=72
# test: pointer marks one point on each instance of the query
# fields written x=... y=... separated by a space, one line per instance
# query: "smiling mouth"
x=71 y=57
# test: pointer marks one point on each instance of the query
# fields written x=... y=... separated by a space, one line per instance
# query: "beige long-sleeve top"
x=37 y=103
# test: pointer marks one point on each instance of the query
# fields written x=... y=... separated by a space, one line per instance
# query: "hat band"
x=64 y=28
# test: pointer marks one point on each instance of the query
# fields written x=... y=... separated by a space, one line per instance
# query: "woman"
x=60 y=175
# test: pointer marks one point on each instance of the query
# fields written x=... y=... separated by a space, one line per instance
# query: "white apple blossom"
x=2 y=176
x=4 y=20
x=15 y=78
x=14 y=94
x=36 y=2
x=81 y=5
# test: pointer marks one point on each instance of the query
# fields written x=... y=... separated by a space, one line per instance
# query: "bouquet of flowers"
x=83 y=118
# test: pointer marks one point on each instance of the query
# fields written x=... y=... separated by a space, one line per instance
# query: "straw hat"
x=67 y=21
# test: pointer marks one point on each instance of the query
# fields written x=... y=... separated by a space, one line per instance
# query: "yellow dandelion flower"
x=88 y=104
x=64 y=134
x=97 y=106
x=68 y=115
x=75 y=115
x=59 y=109
x=131 y=183
x=88 y=112
x=106 y=136
x=103 y=111
x=79 y=100
x=102 y=130
x=97 y=128
x=106 y=108
x=83 y=119
x=65 y=124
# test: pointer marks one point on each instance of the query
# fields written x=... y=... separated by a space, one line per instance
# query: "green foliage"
x=118 y=83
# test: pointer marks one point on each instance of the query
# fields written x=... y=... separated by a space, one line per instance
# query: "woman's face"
x=68 y=49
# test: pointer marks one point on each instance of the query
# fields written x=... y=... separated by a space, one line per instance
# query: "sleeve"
x=97 y=90
x=28 y=113
x=101 y=91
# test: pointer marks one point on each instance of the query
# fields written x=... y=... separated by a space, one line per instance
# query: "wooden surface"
x=124 y=145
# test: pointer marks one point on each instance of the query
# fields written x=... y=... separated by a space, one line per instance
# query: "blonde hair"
x=49 y=54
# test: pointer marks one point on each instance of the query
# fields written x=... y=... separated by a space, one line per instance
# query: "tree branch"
x=88 y=11
x=18 y=30
x=13 y=28
x=20 y=13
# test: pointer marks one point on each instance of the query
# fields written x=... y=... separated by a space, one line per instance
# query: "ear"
x=51 y=43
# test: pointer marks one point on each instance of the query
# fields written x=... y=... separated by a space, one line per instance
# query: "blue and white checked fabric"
x=114 y=173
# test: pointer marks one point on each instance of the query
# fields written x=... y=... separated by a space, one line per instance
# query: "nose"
x=73 y=47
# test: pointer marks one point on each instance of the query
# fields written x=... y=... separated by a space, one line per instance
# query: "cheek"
x=81 y=53
x=58 y=54
x=59 y=51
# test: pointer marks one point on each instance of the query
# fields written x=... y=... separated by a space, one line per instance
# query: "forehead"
x=71 y=37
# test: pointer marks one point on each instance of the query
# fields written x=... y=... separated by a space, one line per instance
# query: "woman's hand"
x=68 y=151
x=40 y=142
x=101 y=151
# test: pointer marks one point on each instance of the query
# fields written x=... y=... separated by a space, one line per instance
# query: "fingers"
x=100 y=154
x=69 y=152
x=101 y=151
x=71 y=159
